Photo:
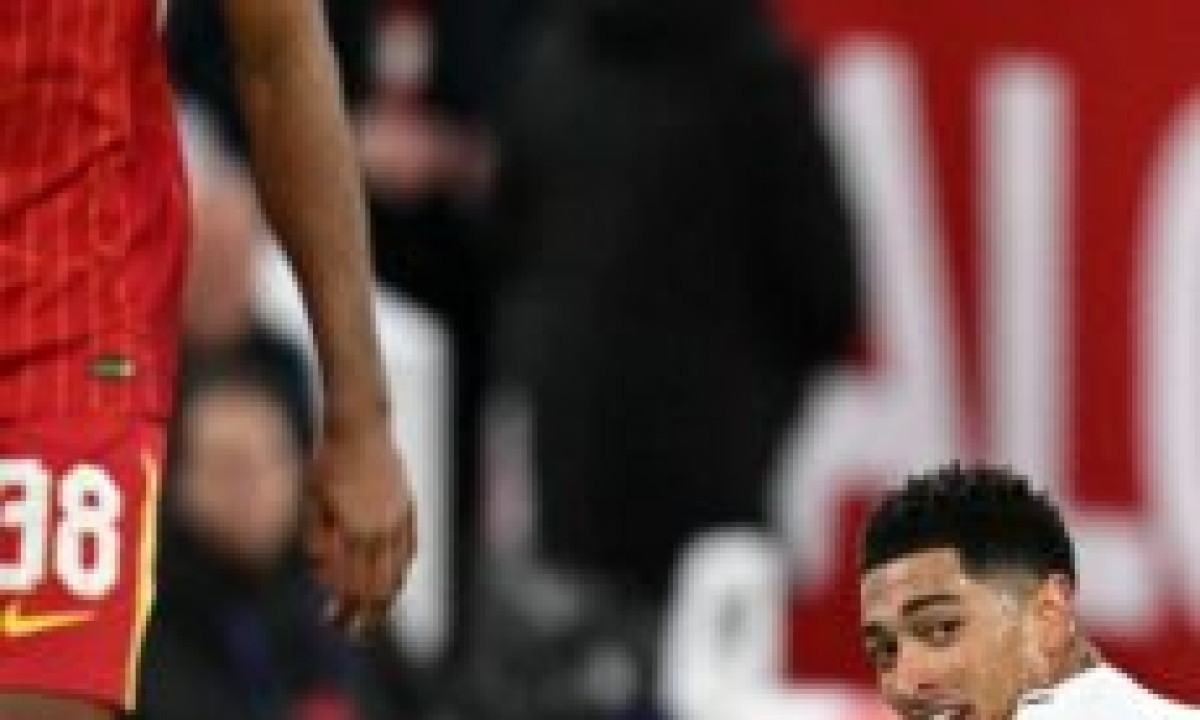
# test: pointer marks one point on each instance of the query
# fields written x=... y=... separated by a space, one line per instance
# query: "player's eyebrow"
x=921 y=602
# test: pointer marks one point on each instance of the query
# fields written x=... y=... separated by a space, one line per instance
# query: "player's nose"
x=915 y=677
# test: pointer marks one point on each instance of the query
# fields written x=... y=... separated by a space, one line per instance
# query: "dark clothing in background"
x=228 y=644
x=676 y=263
x=229 y=641
x=469 y=35
x=200 y=58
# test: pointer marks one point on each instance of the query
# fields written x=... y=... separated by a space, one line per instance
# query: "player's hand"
x=361 y=528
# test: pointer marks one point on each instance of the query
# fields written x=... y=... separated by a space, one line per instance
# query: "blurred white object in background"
x=725 y=633
x=416 y=353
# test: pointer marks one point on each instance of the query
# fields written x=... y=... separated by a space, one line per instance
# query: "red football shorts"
x=78 y=502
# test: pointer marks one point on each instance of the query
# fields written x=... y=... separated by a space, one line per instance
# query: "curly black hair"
x=989 y=514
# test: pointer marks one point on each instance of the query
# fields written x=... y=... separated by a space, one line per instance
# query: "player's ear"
x=1054 y=614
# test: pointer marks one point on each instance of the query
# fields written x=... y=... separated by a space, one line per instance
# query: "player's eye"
x=940 y=632
x=881 y=653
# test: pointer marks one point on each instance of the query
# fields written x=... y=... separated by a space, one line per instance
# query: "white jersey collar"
x=1077 y=683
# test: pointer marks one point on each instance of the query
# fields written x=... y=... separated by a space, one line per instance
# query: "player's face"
x=946 y=646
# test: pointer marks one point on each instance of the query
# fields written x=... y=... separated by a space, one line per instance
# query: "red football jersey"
x=93 y=209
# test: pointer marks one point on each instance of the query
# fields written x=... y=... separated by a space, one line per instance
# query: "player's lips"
x=949 y=712
x=939 y=711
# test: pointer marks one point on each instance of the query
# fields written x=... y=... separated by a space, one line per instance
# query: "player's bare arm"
x=303 y=157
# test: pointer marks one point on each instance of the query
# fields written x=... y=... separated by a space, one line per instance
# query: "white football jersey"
x=1101 y=693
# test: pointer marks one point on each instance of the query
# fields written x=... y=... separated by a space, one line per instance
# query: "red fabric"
x=91 y=658
x=93 y=208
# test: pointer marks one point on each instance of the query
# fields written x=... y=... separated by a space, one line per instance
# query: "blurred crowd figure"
x=622 y=209
x=238 y=631
x=227 y=235
x=676 y=263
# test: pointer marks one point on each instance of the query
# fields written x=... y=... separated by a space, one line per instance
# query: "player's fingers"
x=350 y=599
x=327 y=558
x=366 y=551
x=321 y=544
x=386 y=554
x=394 y=569
x=376 y=614
x=345 y=614
x=359 y=619
x=407 y=544
x=387 y=576
x=382 y=573
x=361 y=553
x=331 y=566
x=405 y=552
